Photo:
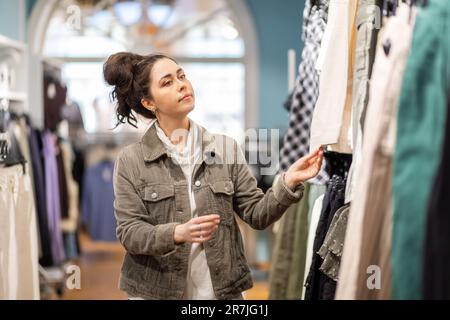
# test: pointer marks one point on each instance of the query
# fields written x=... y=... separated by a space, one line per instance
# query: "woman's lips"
x=186 y=97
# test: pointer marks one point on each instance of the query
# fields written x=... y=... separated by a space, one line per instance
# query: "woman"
x=176 y=191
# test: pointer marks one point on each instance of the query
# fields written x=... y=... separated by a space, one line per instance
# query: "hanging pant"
x=19 y=269
x=286 y=274
x=368 y=21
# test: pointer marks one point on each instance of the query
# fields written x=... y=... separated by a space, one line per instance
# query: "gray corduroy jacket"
x=151 y=198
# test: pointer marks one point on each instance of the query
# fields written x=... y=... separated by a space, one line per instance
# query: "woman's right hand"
x=197 y=230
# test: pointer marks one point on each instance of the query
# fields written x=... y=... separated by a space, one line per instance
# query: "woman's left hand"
x=304 y=169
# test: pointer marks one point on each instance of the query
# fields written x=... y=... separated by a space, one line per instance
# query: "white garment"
x=315 y=217
x=19 y=269
x=199 y=285
x=8 y=239
x=329 y=114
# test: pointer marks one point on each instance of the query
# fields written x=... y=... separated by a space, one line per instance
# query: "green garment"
x=289 y=258
x=286 y=248
x=297 y=269
x=421 y=119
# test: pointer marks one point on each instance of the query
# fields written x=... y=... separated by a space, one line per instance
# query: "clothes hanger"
x=422 y=3
x=4 y=146
x=390 y=7
x=4 y=115
x=4 y=136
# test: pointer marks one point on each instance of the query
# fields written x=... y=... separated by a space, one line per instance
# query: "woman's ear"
x=147 y=104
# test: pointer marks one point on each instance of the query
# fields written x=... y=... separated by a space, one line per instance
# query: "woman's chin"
x=184 y=110
x=188 y=108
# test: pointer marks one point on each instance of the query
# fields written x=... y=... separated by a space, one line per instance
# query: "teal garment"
x=421 y=119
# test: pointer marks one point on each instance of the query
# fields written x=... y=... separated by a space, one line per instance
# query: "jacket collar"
x=153 y=148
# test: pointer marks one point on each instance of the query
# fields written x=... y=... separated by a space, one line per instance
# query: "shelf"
x=6 y=42
x=13 y=96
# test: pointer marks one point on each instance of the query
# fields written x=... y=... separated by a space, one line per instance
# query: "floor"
x=100 y=266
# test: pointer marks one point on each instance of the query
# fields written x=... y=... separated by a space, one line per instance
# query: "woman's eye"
x=182 y=76
x=168 y=83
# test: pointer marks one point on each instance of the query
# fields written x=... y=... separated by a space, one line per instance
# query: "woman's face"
x=173 y=95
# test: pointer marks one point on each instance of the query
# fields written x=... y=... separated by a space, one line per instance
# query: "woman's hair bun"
x=119 y=68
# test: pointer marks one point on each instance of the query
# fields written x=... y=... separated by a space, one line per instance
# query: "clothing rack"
x=390 y=6
x=12 y=86
x=4 y=119
x=362 y=218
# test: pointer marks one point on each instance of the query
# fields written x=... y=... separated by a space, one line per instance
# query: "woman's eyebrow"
x=166 y=76
x=170 y=75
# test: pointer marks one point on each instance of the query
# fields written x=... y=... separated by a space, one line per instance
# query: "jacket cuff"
x=284 y=194
x=165 y=232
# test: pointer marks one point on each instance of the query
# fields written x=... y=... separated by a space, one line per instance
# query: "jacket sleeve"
x=133 y=231
x=257 y=209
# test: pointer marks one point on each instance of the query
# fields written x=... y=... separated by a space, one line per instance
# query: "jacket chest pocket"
x=223 y=192
x=159 y=200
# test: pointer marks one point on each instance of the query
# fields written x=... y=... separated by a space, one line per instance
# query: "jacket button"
x=198 y=183
x=154 y=195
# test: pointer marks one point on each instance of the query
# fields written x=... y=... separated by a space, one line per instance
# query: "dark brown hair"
x=129 y=73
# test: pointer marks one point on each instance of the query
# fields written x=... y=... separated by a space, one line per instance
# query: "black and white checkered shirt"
x=306 y=90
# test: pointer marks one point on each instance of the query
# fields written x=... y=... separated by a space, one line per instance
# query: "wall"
x=12 y=19
x=278 y=24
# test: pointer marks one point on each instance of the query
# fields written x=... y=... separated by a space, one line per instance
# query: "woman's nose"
x=181 y=85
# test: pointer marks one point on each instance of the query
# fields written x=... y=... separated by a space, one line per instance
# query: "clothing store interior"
x=373 y=224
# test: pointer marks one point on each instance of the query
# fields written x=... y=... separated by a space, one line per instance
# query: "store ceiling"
x=157 y=21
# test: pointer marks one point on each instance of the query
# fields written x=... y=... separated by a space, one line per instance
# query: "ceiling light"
x=159 y=13
x=128 y=12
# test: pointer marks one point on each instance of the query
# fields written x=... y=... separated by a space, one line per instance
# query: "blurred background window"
x=202 y=35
